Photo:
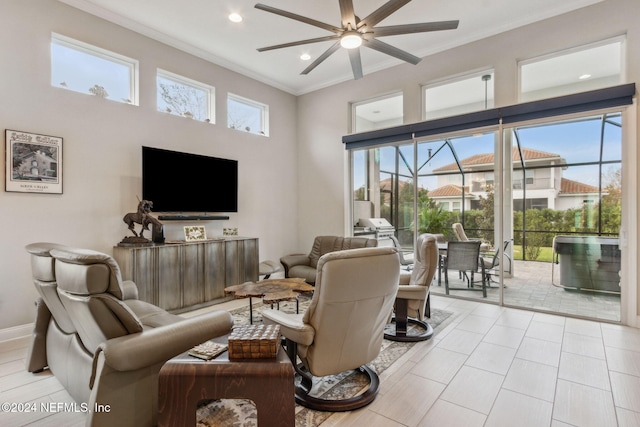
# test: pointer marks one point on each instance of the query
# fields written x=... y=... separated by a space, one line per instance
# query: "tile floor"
x=490 y=366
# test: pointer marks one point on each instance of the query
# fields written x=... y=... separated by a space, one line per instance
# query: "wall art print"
x=194 y=233
x=33 y=163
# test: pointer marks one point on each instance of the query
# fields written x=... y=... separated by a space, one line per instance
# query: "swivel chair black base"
x=303 y=387
x=401 y=321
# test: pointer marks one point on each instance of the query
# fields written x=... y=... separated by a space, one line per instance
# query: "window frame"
x=186 y=81
x=569 y=51
x=107 y=55
x=456 y=79
x=264 y=113
x=354 y=106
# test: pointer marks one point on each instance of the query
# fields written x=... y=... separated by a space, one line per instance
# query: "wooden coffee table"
x=186 y=380
x=271 y=291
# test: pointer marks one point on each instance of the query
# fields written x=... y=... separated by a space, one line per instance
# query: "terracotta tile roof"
x=568 y=186
x=487 y=159
x=448 y=191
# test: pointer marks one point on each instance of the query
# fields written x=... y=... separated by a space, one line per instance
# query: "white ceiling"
x=201 y=27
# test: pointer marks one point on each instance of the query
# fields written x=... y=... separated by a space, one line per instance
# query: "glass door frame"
x=628 y=238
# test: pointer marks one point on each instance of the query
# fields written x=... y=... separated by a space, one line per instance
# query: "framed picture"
x=194 y=233
x=33 y=163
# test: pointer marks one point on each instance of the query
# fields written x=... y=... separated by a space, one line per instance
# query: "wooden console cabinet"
x=184 y=275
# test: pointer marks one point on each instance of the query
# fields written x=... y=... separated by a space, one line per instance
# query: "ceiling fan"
x=354 y=32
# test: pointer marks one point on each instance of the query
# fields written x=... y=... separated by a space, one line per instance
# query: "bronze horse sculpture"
x=143 y=217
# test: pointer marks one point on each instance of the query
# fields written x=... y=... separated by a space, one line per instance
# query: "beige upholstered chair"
x=412 y=301
x=344 y=325
x=458 y=231
x=304 y=266
x=104 y=345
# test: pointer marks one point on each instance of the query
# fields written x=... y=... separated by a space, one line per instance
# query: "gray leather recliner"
x=104 y=345
x=304 y=265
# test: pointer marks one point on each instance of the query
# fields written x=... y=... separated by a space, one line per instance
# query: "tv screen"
x=185 y=182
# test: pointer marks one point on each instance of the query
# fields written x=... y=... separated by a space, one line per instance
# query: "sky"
x=574 y=141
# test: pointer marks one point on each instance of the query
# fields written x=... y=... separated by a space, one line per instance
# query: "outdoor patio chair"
x=406 y=257
x=464 y=257
x=491 y=264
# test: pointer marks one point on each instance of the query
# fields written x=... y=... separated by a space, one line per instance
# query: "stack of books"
x=208 y=350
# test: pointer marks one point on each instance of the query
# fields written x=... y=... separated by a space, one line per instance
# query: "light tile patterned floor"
x=491 y=366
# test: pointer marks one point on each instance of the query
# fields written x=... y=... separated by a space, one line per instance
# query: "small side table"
x=185 y=380
x=271 y=290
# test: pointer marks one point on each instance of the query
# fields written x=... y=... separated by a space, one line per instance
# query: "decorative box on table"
x=254 y=342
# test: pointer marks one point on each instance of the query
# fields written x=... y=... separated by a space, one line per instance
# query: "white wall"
x=322 y=121
x=102 y=140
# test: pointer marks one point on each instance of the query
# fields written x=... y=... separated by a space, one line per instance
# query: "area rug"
x=242 y=413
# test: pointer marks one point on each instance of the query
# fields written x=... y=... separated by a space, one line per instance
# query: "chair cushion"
x=150 y=315
x=42 y=264
x=303 y=271
x=88 y=257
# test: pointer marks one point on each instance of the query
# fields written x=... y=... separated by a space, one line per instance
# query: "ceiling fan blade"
x=376 y=44
x=356 y=63
x=298 y=43
x=347 y=13
x=321 y=58
x=395 y=30
x=382 y=12
x=299 y=18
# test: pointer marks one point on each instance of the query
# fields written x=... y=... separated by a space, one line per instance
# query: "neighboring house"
x=545 y=188
x=36 y=166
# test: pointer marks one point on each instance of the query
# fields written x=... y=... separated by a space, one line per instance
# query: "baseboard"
x=16 y=332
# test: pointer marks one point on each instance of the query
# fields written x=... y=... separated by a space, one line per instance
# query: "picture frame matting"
x=33 y=162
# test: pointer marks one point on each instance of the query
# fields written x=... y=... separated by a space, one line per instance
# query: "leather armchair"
x=104 y=345
x=344 y=325
x=412 y=301
x=304 y=266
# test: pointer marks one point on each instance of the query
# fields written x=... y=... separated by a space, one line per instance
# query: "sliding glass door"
x=544 y=199
x=566 y=184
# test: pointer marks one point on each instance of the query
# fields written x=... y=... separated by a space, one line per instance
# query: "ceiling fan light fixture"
x=351 y=40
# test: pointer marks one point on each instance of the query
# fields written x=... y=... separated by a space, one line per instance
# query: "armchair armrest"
x=129 y=290
x=149 y=347
x=291 y=326
x=412 y=292
x=292 y=260
x=404 y=279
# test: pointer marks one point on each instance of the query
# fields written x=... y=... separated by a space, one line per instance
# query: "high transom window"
x=458 y=96
x=84 y=68
x=184 y=97
x=247 y=115
x=378 y=113
x=576 y=70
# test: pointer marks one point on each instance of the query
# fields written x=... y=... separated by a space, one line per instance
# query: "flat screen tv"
x=178 y=182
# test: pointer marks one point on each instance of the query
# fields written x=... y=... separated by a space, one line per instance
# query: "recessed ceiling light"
x=376 y=111
x=305 y=57
x=235 y=17
x=584 y=76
